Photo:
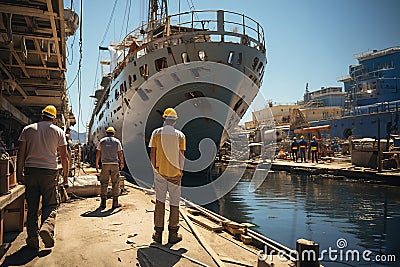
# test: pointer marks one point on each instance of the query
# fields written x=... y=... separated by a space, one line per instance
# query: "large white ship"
x=194 y=58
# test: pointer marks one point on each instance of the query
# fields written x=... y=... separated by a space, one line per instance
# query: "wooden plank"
x=209 y=225
x=236 y=262
x=15 y=192
x=234 y=231
x=54 y=29
x=193 y=211
x=204 y=212
x=18 y=115
x=12 y=80
x=235 y=228
x=26 y=11
x=248 y=225
x=19 y=61
x=201 y=240
x=246 y=239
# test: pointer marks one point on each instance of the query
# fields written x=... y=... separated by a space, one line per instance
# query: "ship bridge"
x=33 y=61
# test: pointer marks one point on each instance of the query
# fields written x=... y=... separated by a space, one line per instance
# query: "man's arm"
x=64 y=162
x=97 y=160
x=121 y=159
x=153 y=157
x=21 y=162
x=181 y=160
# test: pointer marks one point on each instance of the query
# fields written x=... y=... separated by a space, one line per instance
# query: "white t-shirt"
x=42 y=140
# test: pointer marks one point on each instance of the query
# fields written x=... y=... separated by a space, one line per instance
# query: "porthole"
x=144 y=71
x=185 y=57
x=161 y=64
x=202 y=55
x=255 y=62
x=230 y=57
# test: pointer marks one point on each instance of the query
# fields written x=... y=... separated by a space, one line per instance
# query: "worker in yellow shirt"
x=167 y=158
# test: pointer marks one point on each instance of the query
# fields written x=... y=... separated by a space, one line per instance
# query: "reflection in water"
x=287 y=207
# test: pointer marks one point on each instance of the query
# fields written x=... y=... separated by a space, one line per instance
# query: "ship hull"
x=209 y=107
x=209 y=74
x=361 y=126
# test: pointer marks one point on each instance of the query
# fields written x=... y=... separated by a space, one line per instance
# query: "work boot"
x=157 y=235
x=115 y=203
x=173 y=236
x=103 y=203
x=47 y=238
x=32 y=242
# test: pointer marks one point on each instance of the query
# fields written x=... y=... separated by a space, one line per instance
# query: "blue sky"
x=310 y=41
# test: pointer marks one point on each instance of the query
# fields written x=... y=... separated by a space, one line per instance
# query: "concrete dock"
x=338 y=169
x=88 y=236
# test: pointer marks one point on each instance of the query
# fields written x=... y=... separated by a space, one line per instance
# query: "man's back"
x=314 y=145
x=42 y=140
x=109 y=147
x=303 y=143
x=294 y=145
x=169 y=142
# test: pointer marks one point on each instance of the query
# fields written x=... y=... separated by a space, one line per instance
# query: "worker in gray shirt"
x=110 y=150
x=37 y=169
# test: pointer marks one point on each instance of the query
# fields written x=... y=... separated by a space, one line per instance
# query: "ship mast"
x=158 y=9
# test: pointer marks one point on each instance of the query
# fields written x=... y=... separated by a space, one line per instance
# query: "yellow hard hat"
x=294 y=138
x=170 y=113
x=50 y=111
x=302 y=137
x=314 y=137
x=110 y=130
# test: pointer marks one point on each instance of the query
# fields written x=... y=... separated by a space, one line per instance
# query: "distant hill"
x=74 y=136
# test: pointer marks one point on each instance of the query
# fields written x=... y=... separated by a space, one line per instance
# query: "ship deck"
x=87 y=236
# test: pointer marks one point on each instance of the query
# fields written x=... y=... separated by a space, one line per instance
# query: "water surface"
x=288 y=206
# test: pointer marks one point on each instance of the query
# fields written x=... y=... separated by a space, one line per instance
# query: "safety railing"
x=225 y=24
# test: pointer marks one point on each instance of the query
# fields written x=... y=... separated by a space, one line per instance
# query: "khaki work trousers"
x=41 y=182
x=107 y=171
x=161 y=186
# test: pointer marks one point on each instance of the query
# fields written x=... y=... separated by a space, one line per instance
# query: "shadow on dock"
x=100 y=213
x=166 y=256
x=24 y=256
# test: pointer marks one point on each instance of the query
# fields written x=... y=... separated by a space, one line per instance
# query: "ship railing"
x=375 y=108
x=196 y=26
x=365 y=55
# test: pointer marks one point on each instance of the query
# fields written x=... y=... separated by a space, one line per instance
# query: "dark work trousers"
x=303 y=154
x=314 y=154
x=294 y=155
x=41 y=182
